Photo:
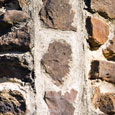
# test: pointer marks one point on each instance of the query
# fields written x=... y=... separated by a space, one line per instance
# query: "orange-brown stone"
x=98 y=32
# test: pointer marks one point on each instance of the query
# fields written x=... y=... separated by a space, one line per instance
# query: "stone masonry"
x=57 y=57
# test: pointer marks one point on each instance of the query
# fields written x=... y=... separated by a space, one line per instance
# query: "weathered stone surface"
x=109 y=52
x=56 y=60
x=104 y=7
x=70 y=97
x=105 y=102
x=98 y=32
x=12 y=67
x=14 y=16
x=57 y=14
x=12 y=103
x=102 y=70
x=57 y=104
x=17 y=40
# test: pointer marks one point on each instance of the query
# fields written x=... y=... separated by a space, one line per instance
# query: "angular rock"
x=13 y=67
x=17 y=40
x=102 y=70
x=98 y=32
x=56 y=60
x=12 y=103
x=105 y=102
x=70 y=97
x=57 y=14
x=14 y=17
x=105 y=7
x=109 y=52
x=57 y=104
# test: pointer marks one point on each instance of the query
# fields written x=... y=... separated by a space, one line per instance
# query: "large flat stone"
x=56 y=60
x=57 y=14
x=57 y=104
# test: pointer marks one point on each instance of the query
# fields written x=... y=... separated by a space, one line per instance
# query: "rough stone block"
x=57 y=14
x=109 y=52
x=56 y=60
x=105 y=102
x=13 y=67
x=16 y=40
x=105 y=7
x=12 y=103
x=57 y=104
x=102 y=70
x=98 y=32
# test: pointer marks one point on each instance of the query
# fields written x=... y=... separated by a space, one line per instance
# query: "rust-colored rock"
x=102 y=70
x=12 y=103
x=16 y=40
x=56 y=60
x=98 y=32
x=109 y=52
x=57 y=104
x=105 y=102
x=14 y=17
x=105 y=7
x=57 y=14
x=12 y=67
x=70 y=97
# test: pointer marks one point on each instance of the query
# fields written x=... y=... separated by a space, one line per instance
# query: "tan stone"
x=105 y=102
x=98 y=32
x=12 y=103
x=109 y=52
x=105 y=7
x=102 y=70
x=57 y=14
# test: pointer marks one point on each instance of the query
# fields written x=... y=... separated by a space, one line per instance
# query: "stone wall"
x=57 y=57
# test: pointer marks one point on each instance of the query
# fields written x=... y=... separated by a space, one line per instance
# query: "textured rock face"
x=98 y=32
x=16 y=40
x=57 y=14
x=103 y=70
x=105 y=7
x=12 y=67
x=12 y=103
x=109 y=52
x=56 y=60
x=57 y=104
x=105 y=102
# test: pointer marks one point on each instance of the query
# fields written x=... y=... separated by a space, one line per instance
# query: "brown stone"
x=98 y=32
x=109 y=52
x=56 y=60
x=57 y=104
x=14 y=16
x=70 y=97
x=12 y=103
x=57 y=14
x=102 y=70
x=16 y=40
x=105 y=102
x=12 y=67
x=105 y=7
